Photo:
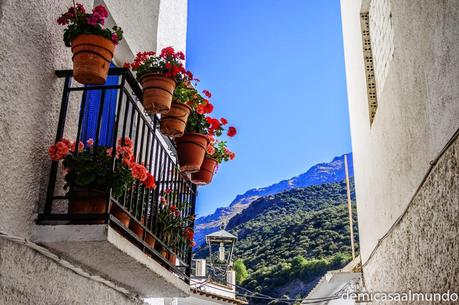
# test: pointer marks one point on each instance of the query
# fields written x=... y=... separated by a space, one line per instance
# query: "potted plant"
x=184 y=100
x=148 y=183
x=183 y=233
x=191 y=147
x=90 y=174
x=188 y=236
x=92 y=45
x=159 y=75
x=168 y=219
x=216 y=153
x=170 y=223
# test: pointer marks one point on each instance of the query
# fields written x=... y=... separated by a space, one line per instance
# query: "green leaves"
x=292 y=237
x=92 y=169
x=85 y=178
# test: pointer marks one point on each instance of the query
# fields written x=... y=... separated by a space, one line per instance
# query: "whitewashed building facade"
x=402 y=70
x=31 y=50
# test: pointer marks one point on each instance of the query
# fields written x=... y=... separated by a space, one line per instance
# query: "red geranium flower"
x=207 y=93
x=231 y=131
x=209 y=108
x=139 y=172
x=150 y=182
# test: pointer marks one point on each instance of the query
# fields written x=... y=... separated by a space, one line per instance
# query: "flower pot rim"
x=210 y=158
x=182 y=104
x=194 y=134
x=75 y=190
x=92 y=35
x=155 y=74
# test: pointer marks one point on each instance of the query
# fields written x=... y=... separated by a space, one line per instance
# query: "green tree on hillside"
x=241 y=271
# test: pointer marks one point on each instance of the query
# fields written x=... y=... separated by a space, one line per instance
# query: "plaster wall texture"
x=418 y=107
x=422 y=252
x=149 y=25
x=172 y=24
x=31 y=50
x=28 y=278
x=139 y=20
x=30 y=94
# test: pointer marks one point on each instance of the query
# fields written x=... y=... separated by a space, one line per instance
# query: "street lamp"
x=221 y=246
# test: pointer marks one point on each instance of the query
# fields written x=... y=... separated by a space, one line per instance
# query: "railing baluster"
x=59 y=135
x=119 y=106
x=160 y=184
x=148 y=193
x=80 y=122
x=141 y=189
x=99 y=117
x=157 y=192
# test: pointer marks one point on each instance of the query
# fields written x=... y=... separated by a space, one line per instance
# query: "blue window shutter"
x=91 y=113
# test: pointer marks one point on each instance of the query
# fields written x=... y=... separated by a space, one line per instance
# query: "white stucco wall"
x=172 y=24
x=139 y=20
x=418 y=108
x=31 y=49
x=149 y=25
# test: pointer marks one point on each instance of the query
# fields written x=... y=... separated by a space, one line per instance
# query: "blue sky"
x=276 y=71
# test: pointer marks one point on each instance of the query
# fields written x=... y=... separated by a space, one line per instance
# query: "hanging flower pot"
x=191 y=149
x=121 y=215
x=92 y=55
x=92 y=43
x=206 y=173
x=87 y=202
x=159 y=74
x=137 y=228
x=157 y=92
x=173 y=123
x=172 y=258
x=164 y=252
x=150 y=240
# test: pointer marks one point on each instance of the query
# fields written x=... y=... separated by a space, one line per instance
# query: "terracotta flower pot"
x=87 y=202
x=205 y=174
x=173 y=123
x=191 y=150
x=172 y=258
x=150 y=240
x=137 y=228
x=157 y=92
x=92 y=55
x=121 y=215
x=164 y=252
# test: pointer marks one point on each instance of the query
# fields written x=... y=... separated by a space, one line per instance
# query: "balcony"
x=140 y=256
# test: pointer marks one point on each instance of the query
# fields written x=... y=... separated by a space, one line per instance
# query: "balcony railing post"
x=190 y=250
x=59 y=135
x=119 y=105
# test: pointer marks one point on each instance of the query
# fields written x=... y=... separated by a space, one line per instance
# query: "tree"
x=241 y=271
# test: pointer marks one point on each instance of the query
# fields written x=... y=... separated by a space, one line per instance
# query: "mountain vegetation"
x=318 y=174
x=287 y=241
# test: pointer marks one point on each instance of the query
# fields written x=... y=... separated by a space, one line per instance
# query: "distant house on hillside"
x=335 y=286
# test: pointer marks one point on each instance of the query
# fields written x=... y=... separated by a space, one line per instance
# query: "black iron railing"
x=125 y=117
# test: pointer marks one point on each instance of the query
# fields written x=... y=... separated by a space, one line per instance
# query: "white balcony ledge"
x=102 y=251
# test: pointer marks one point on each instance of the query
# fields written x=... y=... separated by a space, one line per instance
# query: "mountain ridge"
x=317 y=174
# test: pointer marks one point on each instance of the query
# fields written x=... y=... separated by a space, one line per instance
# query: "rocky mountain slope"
x=318 y=174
